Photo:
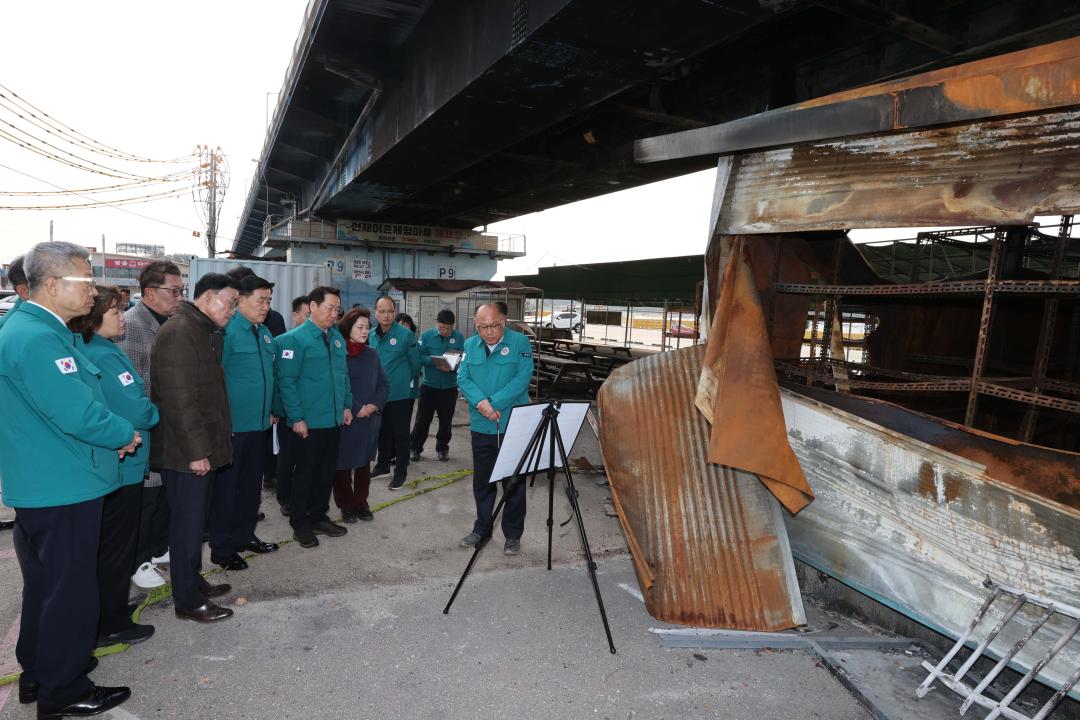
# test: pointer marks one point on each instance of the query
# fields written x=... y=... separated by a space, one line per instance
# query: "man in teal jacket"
x=22 y=289
x=59 y=456
x=439 y=390
x=248 y=361
x=400 y=359
x=313 y=384
x=494 y=377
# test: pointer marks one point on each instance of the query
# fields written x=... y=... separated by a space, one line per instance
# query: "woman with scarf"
x=360 y=440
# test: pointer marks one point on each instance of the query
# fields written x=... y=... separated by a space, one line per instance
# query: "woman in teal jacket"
x=125 y=395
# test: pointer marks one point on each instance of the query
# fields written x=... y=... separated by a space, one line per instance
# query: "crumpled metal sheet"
x=737 y=390
x=708 y=542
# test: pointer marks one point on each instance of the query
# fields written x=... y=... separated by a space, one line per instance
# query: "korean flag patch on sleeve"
x=67 y=365
x=125 y=378
x=286 y=354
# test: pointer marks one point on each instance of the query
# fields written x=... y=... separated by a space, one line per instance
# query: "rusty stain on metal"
x=737 y=389
x=1002 y=171
x=708 y=541
x=1028 y=81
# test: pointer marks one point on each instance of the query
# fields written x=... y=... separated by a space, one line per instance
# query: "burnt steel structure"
x=463 y=113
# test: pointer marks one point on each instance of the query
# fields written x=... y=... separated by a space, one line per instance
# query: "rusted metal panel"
x=708 y=541
x=916 y=513
x=1002 y=171
x=737 y=389
x=1028 y=81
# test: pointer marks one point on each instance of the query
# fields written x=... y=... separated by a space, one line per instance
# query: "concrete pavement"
x=354 y=628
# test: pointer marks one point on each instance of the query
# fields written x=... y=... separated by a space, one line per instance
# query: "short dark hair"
x=406 y=320
x=107 y=298
x=299 y=302
x=16 y=273
x=214 y=282
x=446 y=317
x=155 y=272
x=239 y=273
x=125 y=290
x=318 y=295
x=502 y=308
x=345 y=324
x=251 y=283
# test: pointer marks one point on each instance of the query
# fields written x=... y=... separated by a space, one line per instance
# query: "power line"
x=103 y=204
x=68 y=130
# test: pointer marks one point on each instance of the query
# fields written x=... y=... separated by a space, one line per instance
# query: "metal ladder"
x=974 y=695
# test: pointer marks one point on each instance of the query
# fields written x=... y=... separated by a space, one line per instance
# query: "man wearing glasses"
x=59 y=457
x=494 y=377
x=192 y=441
x=162 y=292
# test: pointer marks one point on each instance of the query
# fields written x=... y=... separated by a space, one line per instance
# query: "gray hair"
x=51 y=259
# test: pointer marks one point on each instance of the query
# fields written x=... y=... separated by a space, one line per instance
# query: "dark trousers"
x=351 y=488
x=116 y=556
x=269 y=461
x=188 y=494
x=153 y=525
x=394 y=436
x=234 y=507
x=316 y=461
x=434 y=401
x=286 y=461
x=485 y=449
x=57 y=550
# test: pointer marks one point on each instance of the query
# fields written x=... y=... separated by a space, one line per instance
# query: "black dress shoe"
x=331 y=529
x=132 y=636
x=98 y=699
x=380 y=470
x=414 y=456
x=256 y=545
x=206 y=613
x=306 y=538
x=213 y=591
x=349 y=516
x=28 y=691
x=364 y=514
x=443 y=455
x=230 y=563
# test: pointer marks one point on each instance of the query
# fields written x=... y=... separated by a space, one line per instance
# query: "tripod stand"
x=530 y=458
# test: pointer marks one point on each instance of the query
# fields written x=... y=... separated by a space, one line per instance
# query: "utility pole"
x=104 y=260
x=211 y=181
x=211 y=225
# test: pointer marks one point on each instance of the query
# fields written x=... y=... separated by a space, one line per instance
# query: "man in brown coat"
x=193 y=438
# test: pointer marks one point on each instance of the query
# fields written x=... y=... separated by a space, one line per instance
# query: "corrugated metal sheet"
x=708 y=542
x=290 y=279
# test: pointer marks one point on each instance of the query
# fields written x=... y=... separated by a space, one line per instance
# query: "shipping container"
x=290 y=279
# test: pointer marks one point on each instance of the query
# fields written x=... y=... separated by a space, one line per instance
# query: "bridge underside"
x=465 y=113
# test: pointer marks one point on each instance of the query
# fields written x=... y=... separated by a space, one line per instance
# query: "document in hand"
x=449 y=361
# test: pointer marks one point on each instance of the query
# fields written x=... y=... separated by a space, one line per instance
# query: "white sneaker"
x=147 y=577
x=163 y=560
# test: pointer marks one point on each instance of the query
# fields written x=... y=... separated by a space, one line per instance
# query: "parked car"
x=681 y=331
x=566 y=320
x=7 y=303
